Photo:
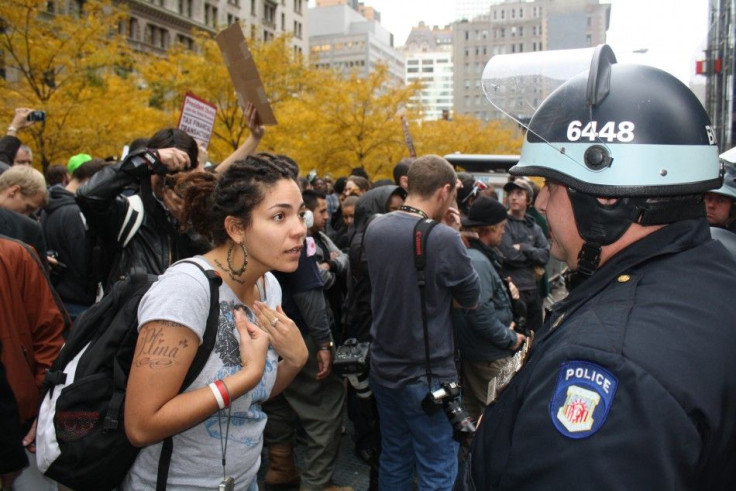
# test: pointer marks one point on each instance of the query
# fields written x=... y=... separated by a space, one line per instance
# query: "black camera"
x=447 y=397
x=36 y=116
x=351 y=358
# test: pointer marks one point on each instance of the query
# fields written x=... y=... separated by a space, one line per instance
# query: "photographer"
x=158 y=242
x=412 y=439
x=12 y=150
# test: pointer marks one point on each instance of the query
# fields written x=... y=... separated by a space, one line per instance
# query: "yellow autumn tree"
x=341 y=122
x=466 y=134
x=75 y=66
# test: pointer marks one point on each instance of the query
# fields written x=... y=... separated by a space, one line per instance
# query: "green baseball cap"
x=77 y=160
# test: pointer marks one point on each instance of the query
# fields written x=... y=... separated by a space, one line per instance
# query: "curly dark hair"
x=209 y=199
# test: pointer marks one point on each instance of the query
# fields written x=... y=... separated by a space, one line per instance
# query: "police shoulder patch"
x=582 y=398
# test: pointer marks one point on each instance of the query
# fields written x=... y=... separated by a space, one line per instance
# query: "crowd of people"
x=442 y=274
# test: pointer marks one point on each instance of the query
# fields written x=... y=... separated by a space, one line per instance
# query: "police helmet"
x=631 y=132
x=729 y=178
x=622 y=130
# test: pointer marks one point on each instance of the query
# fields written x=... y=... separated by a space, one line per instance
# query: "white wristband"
x=218 y=396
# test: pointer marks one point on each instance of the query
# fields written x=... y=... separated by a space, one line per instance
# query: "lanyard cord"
x=223 y=445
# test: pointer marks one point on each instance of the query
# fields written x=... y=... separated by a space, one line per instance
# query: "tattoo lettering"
x=154 y=351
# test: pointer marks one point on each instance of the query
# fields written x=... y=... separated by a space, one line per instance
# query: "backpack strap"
x=133 y=220
x=421 y=231
x=203 y=353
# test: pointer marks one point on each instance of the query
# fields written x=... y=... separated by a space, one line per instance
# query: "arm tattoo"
x=156 y=352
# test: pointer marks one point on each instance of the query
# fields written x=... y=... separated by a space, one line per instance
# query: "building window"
x=253 y=8
x=210 y=15
x=521 y=31
x=521 y=13
x=235 y=3
x=503 y=14
x=588 y=39
x=134 y=30
x=589 y=21
x=269 y=15
x=513 y=13
x=283 y=23
x=185 y=7
x=184 y=40
x=298 y=7
x=232 y=19
x=297 y=30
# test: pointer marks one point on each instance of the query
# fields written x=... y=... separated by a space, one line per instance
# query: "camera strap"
x=421 y=231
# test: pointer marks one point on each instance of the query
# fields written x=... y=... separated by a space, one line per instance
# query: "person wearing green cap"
x=76 y=160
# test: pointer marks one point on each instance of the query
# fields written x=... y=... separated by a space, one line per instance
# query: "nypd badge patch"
x=582 y=398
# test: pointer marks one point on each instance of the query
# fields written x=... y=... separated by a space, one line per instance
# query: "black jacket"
x=357 y=312
x=9 y=146
x=25 y=229
x=65 y=232
x=155 y=246
x=632 y=384
x=534 y=251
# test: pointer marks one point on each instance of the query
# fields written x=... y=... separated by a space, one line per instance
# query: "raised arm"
x=251 y=143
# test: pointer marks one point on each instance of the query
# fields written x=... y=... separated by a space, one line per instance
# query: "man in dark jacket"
x=631 y=383
x=66 y=233
x=358 y=318
x=525 y=250
x=152 y=239
x=485 y=336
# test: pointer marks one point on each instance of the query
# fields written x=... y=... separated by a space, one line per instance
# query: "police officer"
x=631 y=383
x=720 y=204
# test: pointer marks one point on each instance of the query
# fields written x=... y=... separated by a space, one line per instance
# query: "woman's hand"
x=285 y=336
x=253 y=342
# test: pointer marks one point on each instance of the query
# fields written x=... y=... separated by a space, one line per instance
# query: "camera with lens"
x=447 y=397
x=351 y=358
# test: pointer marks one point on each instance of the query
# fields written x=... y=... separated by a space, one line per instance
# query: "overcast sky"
x=673 y=31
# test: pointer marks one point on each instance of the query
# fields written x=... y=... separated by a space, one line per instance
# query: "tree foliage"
x=76 y=67
x=99 y=94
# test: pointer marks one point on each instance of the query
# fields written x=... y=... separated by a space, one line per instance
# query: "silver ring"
x=274 y=321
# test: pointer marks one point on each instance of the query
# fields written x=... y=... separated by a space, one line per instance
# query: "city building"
x=428 y=56
x=154 y=25
x=515 y=26
x=340 y=37
x=718 y=67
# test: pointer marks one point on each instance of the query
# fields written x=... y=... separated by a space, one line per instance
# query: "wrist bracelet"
x=12 y=128
x=222 y=395
x=224 y=392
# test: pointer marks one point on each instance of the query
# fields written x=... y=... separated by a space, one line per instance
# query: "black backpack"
x=80 y=436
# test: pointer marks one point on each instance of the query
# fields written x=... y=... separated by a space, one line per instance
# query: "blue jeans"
x=412 y=439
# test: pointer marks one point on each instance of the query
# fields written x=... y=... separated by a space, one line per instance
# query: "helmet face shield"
x=604 y=128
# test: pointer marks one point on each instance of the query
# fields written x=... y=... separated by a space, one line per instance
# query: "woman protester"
x=254 y=216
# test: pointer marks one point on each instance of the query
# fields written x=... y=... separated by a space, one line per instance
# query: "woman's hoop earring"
x=233 y=271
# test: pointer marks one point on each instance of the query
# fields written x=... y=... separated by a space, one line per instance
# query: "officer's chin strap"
x=618 y=219
x=589 y=258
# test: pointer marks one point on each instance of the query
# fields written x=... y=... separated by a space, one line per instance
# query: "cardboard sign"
x=244 y=73
x=197 y=118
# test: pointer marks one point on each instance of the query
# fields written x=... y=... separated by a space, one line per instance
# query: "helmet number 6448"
x=610 y=131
